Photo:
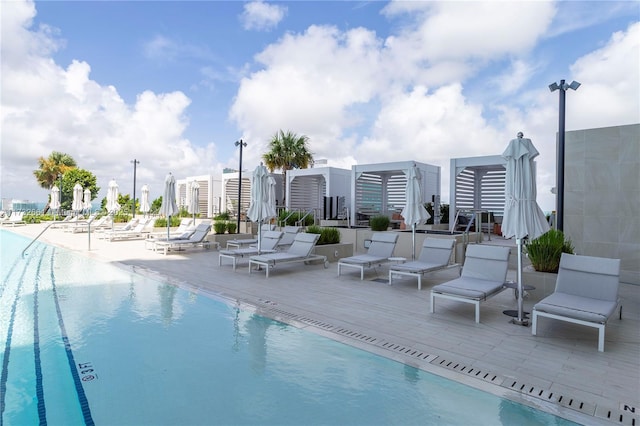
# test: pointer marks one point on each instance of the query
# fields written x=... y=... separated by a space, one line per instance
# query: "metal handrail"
x=88 y=222
x=301 y=221
x=34 y=240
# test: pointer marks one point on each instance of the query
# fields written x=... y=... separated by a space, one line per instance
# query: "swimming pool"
x=83 y=341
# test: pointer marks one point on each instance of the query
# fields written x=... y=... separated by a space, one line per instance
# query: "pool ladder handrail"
x=34 y=240
x=88 y=222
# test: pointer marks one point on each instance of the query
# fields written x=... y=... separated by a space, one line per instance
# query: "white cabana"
x=379 y=189
x=325 y=190
x=477 y=185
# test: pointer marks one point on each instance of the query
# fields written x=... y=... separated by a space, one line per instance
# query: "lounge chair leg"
x=620 y=312
x=601 y=338
x=477 y=311
x=534 y=323
x=419 y=282
x=361 y=274
x=390 y=275
x=433 y=303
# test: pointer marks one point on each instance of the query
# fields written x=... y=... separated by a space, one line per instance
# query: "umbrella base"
x=514 y=313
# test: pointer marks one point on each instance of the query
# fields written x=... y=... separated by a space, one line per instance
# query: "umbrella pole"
x=260 y=237
x=520 y=320
x=413 y=241
x=168 y=225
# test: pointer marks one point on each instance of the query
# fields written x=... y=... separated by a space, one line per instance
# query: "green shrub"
x=31 y=218
x=219 y=226
x=294 y=218
x=232 y=227
x=544 y=252
x=222 y=216
x=161 y=222
x=379 y=223
x=327 y=235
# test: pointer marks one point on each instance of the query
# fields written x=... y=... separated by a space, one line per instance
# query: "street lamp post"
x=562 y=87
x=241 y=145
x=135 y=162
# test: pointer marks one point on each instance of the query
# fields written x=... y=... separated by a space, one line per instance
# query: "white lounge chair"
x=243 y=242
x=103 y=233
x=483 y=275
x=379 y=252
x=198 y=238
x=16 y=218
x=96 y=225
x=288 y=236
x=186 y=225
x=267 y=245
x=78 y=223
x=299 y=251
x=434 y=256
x=586 y=293
x=141 y=230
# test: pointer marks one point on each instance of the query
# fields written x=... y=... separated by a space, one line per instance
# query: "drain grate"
x=531 y=390
x=316 y=323
x=618 y=416
x=355 y=335
x=407 y=351
x=469 y=371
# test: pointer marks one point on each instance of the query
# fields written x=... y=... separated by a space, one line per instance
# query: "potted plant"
x=329 y=243
x=379 y=223
x=544 y=252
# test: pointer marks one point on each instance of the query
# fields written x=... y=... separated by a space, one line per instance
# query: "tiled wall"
x=602 y=194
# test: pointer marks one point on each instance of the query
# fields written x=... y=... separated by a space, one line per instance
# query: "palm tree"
x=287 y=151
x=50 y=168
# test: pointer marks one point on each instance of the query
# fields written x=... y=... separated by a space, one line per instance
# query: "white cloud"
x=403 y=97
x=46 y=107
x=258 y=15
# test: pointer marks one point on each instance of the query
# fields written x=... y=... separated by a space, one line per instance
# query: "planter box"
x=334 y=252
x=544 y=282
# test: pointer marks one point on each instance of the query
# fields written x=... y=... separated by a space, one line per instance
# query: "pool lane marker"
x=7 y=347
x=42 y=410
x=82 y=398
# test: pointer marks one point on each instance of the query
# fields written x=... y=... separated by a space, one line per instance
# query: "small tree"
x=85 y=178
x=287 y=151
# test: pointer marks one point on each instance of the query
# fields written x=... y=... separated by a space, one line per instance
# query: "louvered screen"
x=231 y=191
x=369 y=194
x=307 y=193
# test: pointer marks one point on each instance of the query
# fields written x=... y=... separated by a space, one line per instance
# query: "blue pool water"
x=85 y=342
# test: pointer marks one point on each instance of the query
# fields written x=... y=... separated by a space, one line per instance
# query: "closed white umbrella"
x=522 y=216
x=414 y=212
x=76 y=204
x=54 y=204
x=169 y=207
x=193 y=206
x=86 y=201
x=112 y=199
x=260 y=208
x=144 y=200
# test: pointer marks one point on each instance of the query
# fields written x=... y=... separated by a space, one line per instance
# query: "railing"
x=302 y=220
x=34 y=240
x=53 y=223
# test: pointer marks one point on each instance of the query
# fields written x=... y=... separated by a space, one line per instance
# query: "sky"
x=174 y=84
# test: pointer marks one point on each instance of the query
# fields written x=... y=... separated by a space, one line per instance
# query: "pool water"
x=85 y=342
